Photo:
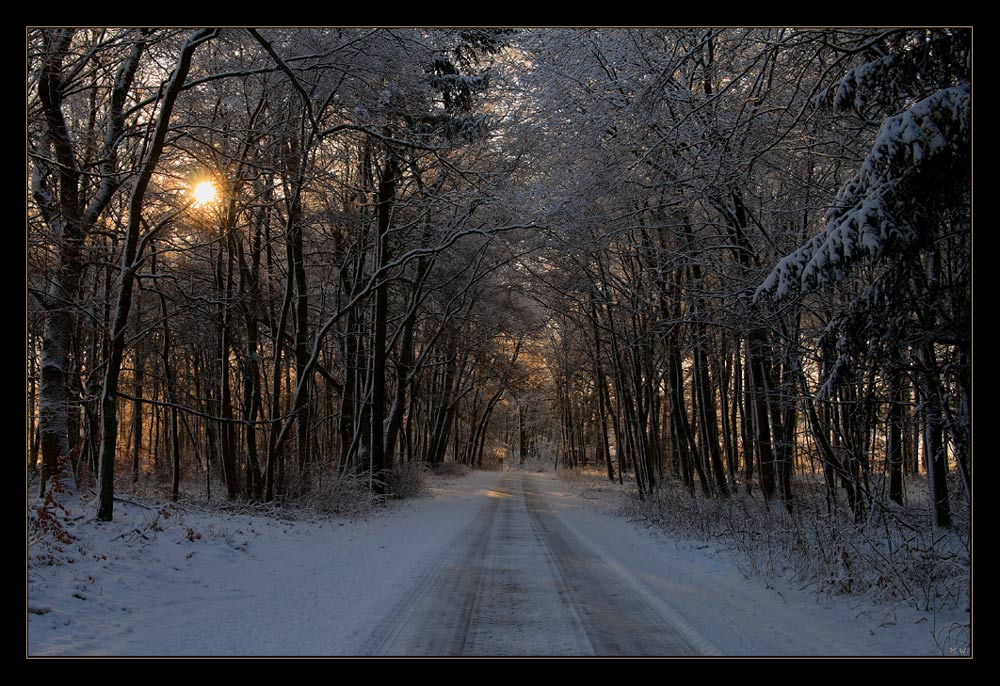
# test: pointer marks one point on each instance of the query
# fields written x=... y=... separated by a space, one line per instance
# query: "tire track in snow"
x=434 y=617
x=520 y=581
x=619 y=616
x=521 y=606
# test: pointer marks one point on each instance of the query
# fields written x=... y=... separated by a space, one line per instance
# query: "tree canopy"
x=730 y=259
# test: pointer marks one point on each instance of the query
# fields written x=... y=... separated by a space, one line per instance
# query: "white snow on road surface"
x=205 y=583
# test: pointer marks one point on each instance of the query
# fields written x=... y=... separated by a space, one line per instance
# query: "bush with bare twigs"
x=407 y=480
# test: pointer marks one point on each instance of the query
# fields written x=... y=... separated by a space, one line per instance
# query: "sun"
x=204 y=192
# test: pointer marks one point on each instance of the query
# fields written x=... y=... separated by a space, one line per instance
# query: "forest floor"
x=491 y=563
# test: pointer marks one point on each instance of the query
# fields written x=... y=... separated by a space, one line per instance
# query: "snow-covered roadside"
x=743 y=616
x=195 y=583
x=204 y=583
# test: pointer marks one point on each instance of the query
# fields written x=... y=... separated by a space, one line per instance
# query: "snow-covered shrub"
x=893 y=557
x=407 y=479
x=344 y=494
x=449 y=470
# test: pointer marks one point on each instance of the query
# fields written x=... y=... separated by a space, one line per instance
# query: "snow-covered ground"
x=250 y=585
x=748 y=616
x=191 y=582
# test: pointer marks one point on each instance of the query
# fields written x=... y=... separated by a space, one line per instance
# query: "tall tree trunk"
x=137 y=380
x=70 y=222
x=250 y=306
x=934 y=447
x=405 y=361
x=227 y=432
x=708 y=416
x=602 y=390
x=274 y=429
x=723 y=380
x=129 y=264
x=894 y=439
x=169 y=380
x=747 y=421
x=758 y=365
x=386 y=199
x=303 y=414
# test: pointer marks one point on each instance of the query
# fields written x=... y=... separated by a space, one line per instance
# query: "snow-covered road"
x=518 y=582
x=489 y=564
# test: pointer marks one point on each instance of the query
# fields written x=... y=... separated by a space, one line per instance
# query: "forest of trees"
x=734 y=259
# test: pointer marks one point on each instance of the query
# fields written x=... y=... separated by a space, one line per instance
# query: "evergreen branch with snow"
x=889 y=203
